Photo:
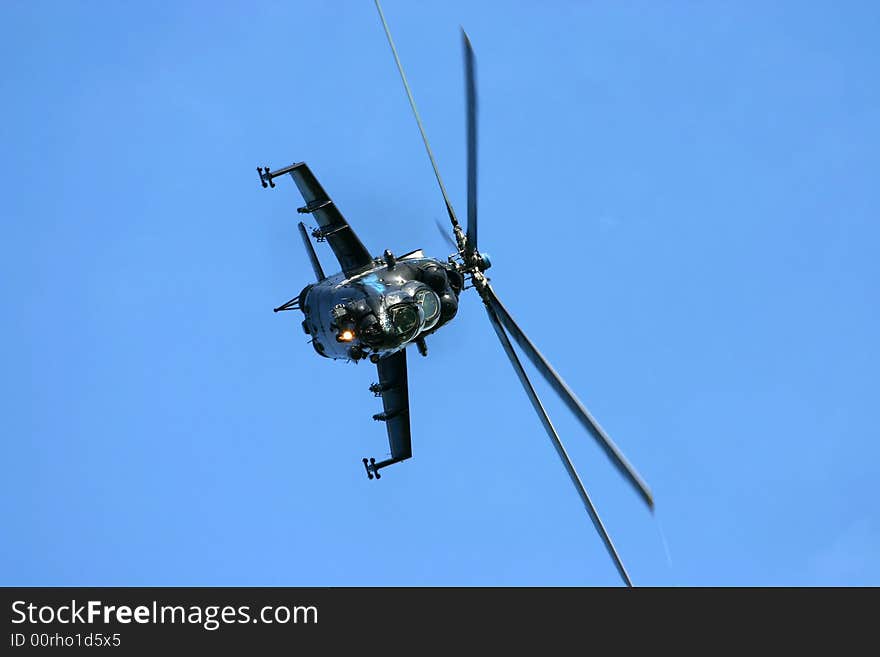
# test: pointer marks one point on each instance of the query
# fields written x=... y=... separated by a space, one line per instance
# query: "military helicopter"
x=377 y=306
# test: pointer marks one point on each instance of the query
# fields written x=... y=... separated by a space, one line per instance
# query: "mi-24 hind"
x=375 y=307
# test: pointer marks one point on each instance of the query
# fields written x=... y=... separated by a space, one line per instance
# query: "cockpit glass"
x=430 y=304
x=406 y=319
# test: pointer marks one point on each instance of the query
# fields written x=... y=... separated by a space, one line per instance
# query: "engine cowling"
x=435 y=278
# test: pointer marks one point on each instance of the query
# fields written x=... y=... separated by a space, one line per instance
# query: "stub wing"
x=394 y=389
x=352 y=255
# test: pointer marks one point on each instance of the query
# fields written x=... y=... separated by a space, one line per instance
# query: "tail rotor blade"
x=471 y=104
x=415 y=110
x=557 y=443
x=573 y=403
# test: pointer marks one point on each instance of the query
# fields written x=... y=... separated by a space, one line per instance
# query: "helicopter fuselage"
x=379 y=311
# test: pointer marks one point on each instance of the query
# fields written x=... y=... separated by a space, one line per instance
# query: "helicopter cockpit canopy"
x=387 y=321
x=410 y=310
x=429 y=303
x=406 y=319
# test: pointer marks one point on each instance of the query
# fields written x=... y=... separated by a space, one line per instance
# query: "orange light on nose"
x=346 y=336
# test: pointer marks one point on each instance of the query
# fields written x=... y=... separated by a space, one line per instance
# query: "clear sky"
x=681 y=203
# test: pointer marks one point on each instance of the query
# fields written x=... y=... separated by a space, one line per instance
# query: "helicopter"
x=376 y=307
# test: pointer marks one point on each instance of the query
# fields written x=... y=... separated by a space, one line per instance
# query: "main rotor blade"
x=471 y=98
x=573 y=403
x=415 y=110
x=445 y=235
x=557 y=443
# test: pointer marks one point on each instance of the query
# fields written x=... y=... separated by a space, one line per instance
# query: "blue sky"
x=681 y=204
